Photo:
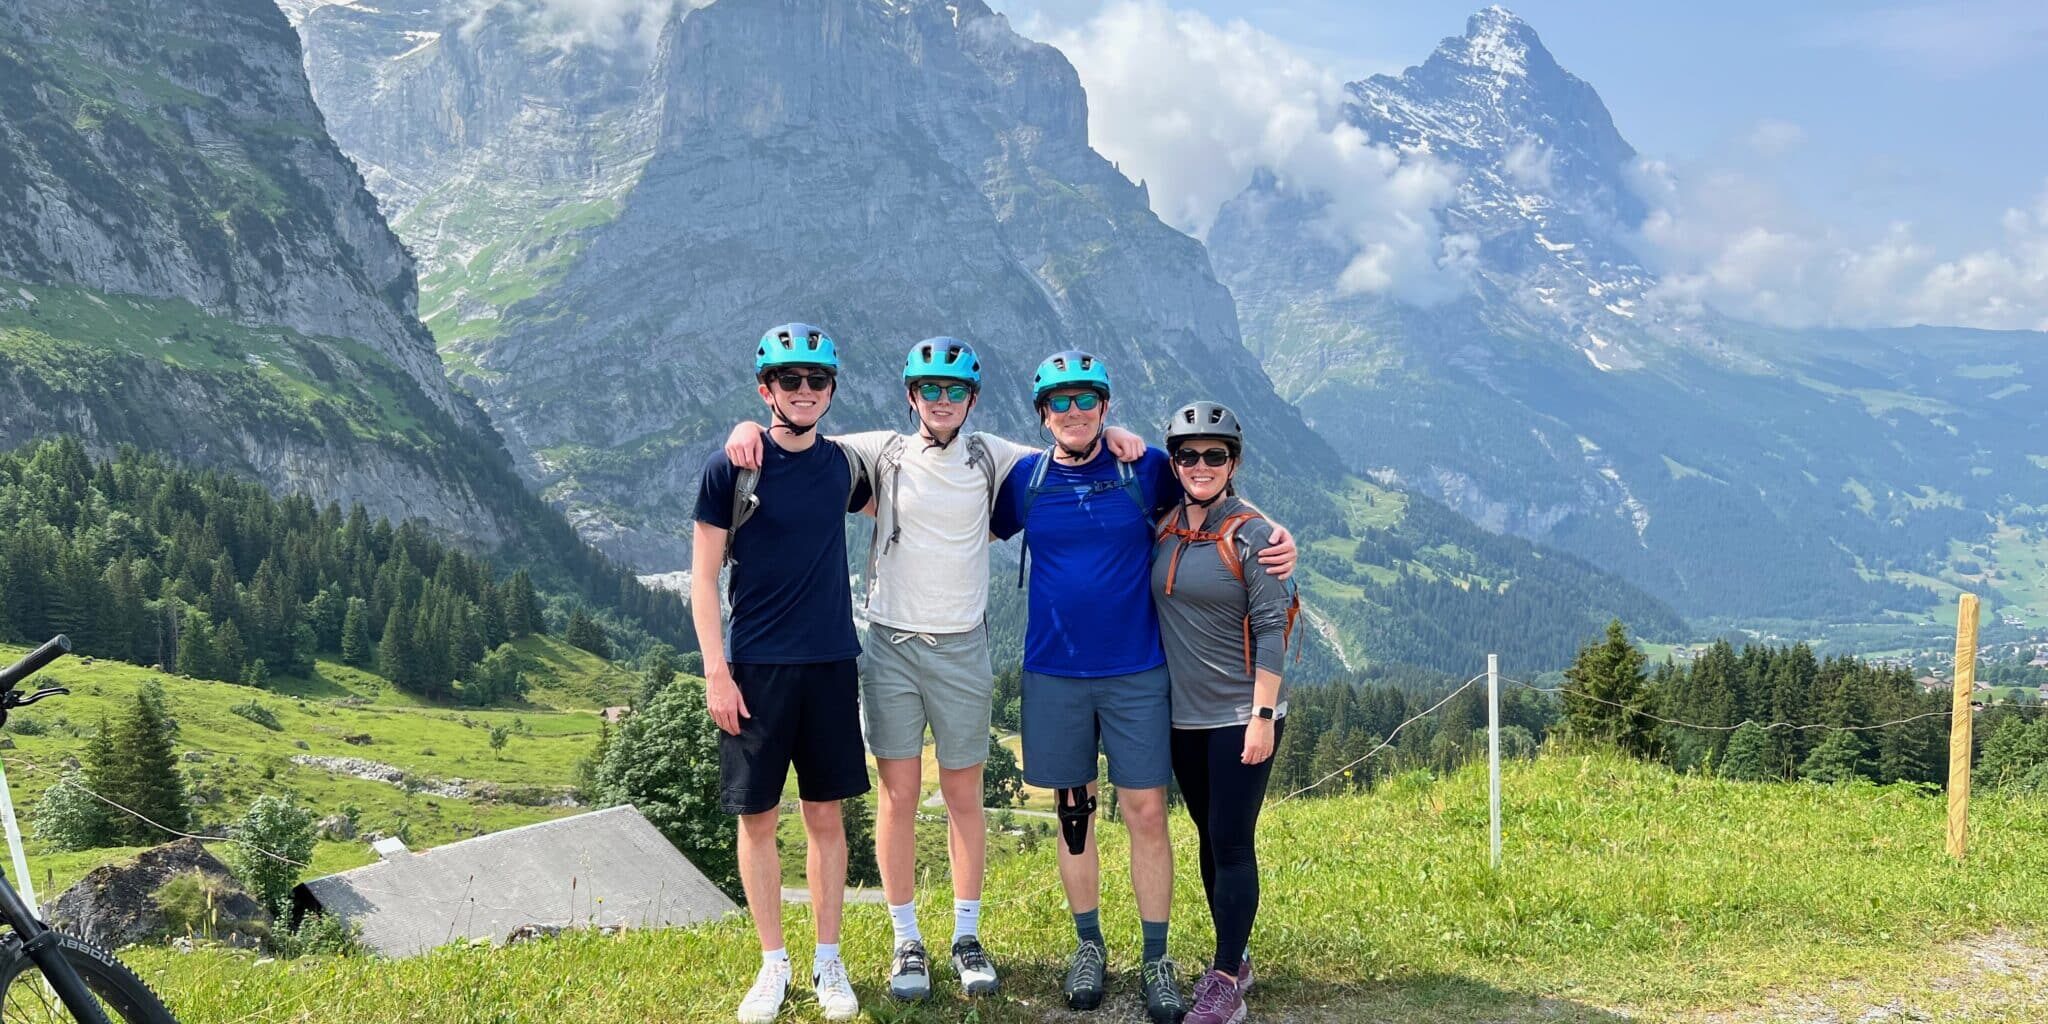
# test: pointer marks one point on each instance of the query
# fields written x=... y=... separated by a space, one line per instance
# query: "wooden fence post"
x=1965 y=681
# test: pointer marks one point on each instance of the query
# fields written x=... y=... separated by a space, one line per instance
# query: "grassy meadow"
x=1628 y=893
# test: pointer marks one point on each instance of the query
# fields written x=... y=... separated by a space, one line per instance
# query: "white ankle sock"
x=966 y=918
x=904 y=920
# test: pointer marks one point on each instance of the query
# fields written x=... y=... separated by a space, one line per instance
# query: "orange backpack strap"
x=1226 y=542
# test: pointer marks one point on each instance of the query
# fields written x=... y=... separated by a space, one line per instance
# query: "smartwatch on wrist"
x=1265 y=711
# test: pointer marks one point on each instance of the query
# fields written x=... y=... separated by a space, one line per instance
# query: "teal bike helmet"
x=1071 y=369
x=795 y=345
x=942 y=358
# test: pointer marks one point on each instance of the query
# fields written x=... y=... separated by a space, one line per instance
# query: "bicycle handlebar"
x=12 y=675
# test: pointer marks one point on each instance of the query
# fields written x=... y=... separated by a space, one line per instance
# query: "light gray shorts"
x=912 y=680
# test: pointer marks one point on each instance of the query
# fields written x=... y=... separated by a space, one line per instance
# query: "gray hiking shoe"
x=1085 y=976
x=1163 y=1000
x=910 y=975
x=971 y=963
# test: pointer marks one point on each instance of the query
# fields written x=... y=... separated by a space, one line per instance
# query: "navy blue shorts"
x=1130 y=717
x=806 y=715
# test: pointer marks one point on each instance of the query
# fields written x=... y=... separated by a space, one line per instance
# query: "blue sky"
x=1858 y=115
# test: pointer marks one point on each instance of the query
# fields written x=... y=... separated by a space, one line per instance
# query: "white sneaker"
x=764 y=1000
x=835 y=990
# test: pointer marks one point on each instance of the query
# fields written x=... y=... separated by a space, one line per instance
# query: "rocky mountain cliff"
x=1735 y=470
x=189 y=264
x=910 y=168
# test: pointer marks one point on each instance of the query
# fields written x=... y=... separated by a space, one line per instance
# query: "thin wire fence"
x=1388 y=743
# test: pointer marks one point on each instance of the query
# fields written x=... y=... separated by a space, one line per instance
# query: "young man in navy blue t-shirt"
x=782 y=687
x=1094 y=671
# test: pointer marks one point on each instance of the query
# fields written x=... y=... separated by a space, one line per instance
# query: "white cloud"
x=1528 y=164
x=1193 y=107
x=607 y=24
x=1772 y=137
x=1730 y=242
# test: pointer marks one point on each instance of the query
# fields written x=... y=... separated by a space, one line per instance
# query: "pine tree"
x=145 y=776
x=1839 y=758
x=358 y=647
x=395 y=650
x=195 y=647
x=661 y=671
x=229 y=653
x=858 y=817
x=1749 y=757
x=1605 y=695
x=584 y=632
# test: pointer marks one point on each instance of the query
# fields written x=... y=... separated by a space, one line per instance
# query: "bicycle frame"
x=37 y=939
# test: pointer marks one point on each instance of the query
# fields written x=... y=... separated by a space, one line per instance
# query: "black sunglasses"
x=790 y=380
x=1209 y=456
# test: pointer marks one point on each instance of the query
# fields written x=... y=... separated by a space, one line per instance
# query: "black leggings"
x=1223 y=796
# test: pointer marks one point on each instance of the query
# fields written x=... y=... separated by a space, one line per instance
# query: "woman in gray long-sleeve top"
x=1225 y=633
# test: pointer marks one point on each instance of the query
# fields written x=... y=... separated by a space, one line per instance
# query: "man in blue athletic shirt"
x=1094 y=670
x=782 y=687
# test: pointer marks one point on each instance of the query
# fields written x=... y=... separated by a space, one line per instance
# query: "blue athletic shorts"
x=1130 y=717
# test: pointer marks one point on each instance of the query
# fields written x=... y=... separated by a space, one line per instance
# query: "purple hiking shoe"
x=1217 y=1000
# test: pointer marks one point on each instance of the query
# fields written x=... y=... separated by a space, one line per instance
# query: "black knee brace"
x=1075 y=807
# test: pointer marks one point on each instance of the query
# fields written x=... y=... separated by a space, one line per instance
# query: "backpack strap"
x=744 y=502
x=889 y=469
x=1228 y=551
x=1132 y=486
x=1125 y=479
x=1024 y=513
x=980 y=457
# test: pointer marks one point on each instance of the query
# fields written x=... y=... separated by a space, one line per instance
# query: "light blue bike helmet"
x=1071 y=369
x=942 y=358
x=795 y=345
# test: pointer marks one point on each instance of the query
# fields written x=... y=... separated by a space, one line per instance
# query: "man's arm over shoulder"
x=1267 y=600
x=865 y=448
x=1005 y=452
x=715 y=490
x=1008 y=519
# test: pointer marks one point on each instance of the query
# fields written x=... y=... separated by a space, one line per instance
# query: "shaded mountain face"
x=189 y=264
x=1732 y=469
x=606 y=229
x=901 y=170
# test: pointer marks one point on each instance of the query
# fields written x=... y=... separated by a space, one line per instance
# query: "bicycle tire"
x=123 y=995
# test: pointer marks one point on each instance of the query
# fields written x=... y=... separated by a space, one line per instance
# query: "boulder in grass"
x=164 y=892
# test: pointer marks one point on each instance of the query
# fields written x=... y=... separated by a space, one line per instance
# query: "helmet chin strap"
x=775 y=409
x=1082 y=454
x=1223 y=492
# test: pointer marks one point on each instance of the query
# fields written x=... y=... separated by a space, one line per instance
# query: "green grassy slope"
x=230 y=760
x=1629 y=893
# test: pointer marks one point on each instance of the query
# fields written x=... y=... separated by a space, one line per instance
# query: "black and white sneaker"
x=971 y=962
x=1085 y=976
x=910 y=975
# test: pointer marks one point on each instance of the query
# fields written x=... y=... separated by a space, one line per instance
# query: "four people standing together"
x=1147 y=641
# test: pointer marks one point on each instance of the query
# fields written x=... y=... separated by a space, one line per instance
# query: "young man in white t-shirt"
x=925 y=654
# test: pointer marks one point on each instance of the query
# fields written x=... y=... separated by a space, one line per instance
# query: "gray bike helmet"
x=1210 y=420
